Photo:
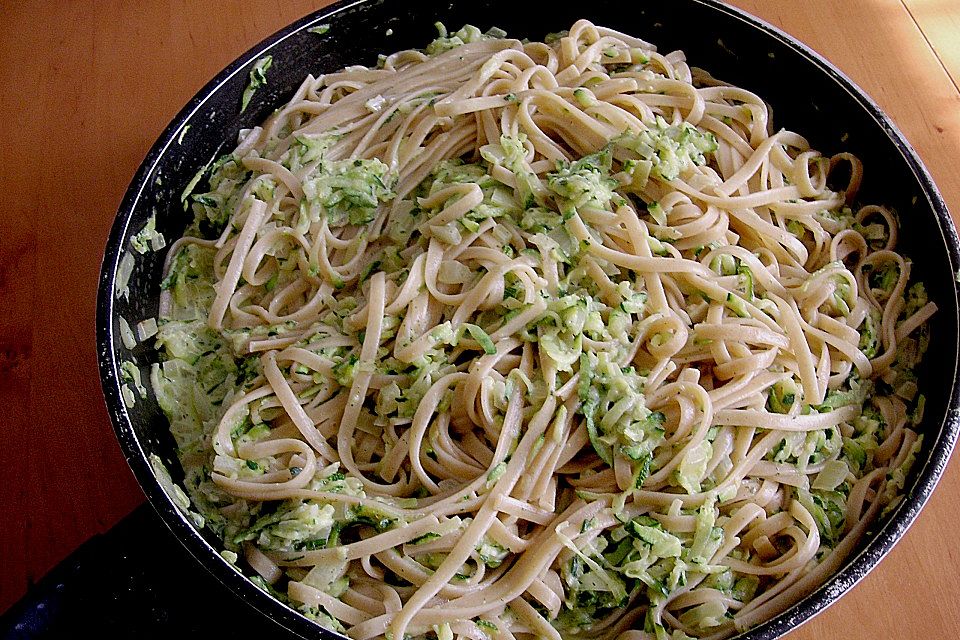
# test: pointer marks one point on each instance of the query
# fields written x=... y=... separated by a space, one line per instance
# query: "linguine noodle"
x=559 y=339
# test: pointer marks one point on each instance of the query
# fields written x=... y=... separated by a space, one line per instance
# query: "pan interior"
x=805 y=94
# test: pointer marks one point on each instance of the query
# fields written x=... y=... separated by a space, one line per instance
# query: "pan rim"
x=855 y=567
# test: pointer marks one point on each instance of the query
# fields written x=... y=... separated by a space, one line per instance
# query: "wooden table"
x=87 y=88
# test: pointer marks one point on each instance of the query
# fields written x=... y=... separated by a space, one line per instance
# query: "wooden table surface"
x=87 y=88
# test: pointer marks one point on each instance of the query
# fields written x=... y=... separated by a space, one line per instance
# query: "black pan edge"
x=853 y=570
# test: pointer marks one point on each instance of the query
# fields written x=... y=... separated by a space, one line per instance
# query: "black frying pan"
x=808 y=95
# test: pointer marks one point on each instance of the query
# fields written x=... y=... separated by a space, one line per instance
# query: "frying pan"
x=807 y=94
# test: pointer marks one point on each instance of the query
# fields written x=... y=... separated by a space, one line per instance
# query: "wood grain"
x=89 y=86
x=939 y=20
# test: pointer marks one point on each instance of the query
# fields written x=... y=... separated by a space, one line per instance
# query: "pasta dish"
x=515 y=339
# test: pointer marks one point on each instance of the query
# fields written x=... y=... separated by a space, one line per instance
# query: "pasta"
x=560 y=339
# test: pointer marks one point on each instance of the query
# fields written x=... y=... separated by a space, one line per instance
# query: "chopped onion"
x=146 y=329
x=126 y=334
x=453 y=272
x=830 y=477
x=124 y=271
x=128 y=398
x=375 y=103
